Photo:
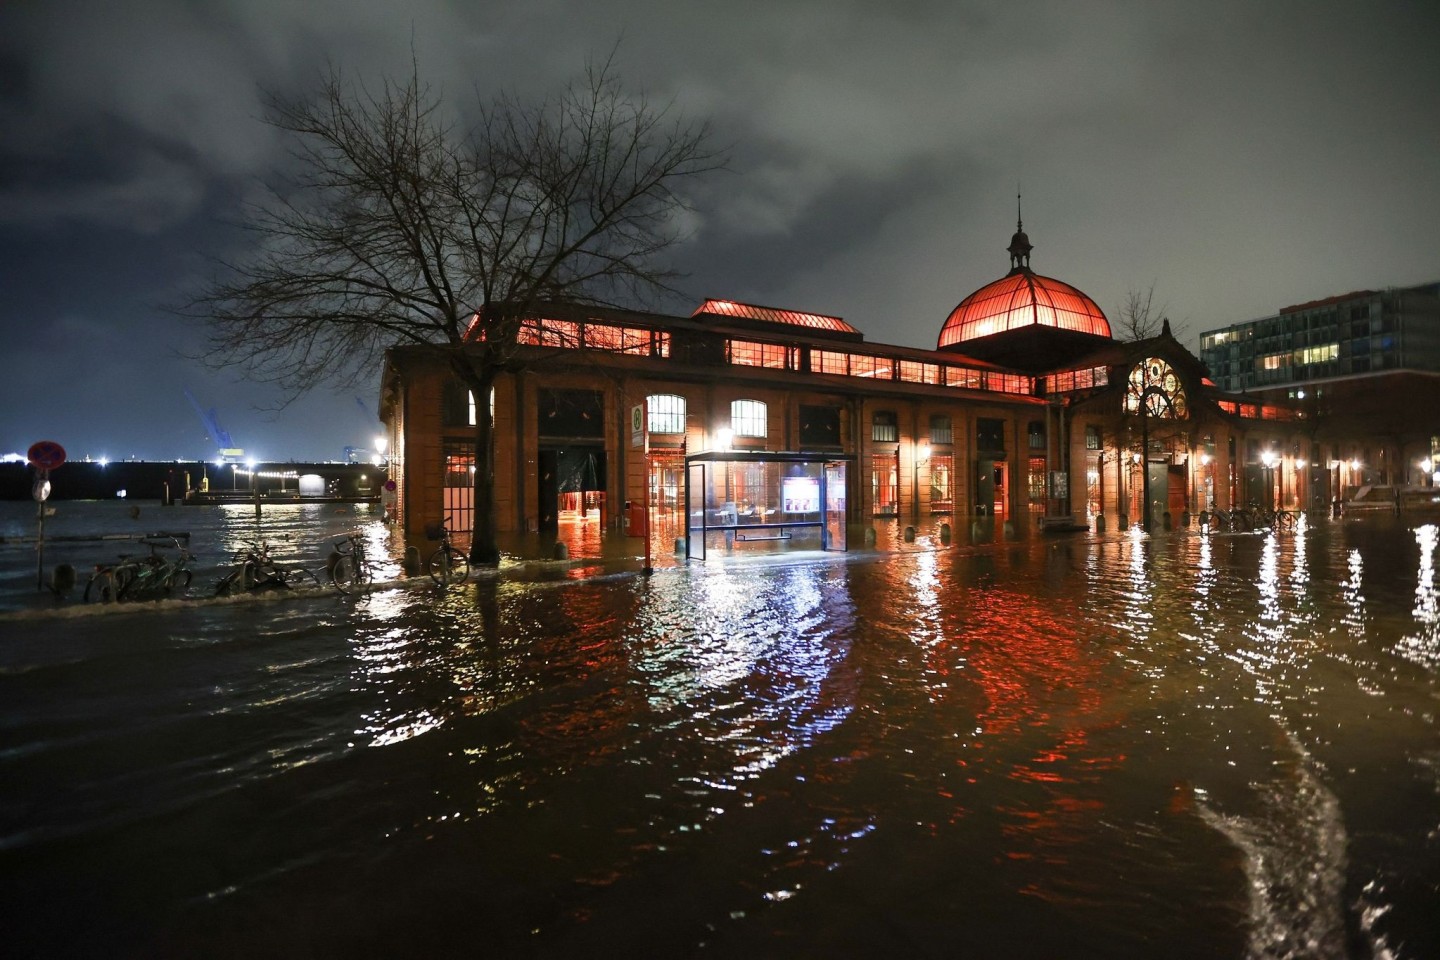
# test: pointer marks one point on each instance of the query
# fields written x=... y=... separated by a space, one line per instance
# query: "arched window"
x=1156 y=381
x=666 y=412
x=747 y=418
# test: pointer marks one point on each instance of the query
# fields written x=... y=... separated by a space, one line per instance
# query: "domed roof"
x=1022 y=298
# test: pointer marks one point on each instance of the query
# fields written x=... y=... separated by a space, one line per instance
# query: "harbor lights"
x=380 y=444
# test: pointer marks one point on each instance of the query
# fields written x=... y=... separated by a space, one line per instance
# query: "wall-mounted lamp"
x=723 y=438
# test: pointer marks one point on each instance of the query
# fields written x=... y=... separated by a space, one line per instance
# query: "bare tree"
x=403 y=227
x=1140 y=317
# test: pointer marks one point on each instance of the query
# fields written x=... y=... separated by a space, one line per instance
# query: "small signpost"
x=44 y=456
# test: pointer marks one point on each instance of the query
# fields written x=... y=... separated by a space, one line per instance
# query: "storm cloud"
x=1239 y=157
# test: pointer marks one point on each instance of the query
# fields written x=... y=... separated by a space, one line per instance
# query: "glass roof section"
x=1018 y=300
x=794 y=318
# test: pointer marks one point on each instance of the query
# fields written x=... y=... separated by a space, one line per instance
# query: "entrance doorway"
x=992 y=482
x=572 y=481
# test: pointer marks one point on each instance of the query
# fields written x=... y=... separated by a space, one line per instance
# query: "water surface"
x=1180 y=746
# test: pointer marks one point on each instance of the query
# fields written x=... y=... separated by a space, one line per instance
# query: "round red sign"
x=47 y=454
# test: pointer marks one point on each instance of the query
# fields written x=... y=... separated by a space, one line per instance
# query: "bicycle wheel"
x=448 y=566
x=344 y=573
x=100 y=588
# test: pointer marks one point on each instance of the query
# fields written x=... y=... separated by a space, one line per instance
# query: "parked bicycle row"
x=166 y=569
x=1252 y=517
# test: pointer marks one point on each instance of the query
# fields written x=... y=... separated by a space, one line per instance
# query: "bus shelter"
x=764 y=500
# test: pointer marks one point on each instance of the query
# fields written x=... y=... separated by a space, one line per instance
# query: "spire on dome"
x=1019 y=244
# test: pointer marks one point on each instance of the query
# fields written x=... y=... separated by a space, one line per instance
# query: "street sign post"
x=45 y=455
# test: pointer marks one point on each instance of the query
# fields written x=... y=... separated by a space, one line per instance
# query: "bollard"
x=1124 y=522
x=1204 y=518
x=62 y=579
x=1009 y=529
x=909 y=534
x=680 y=546
x=1166 y=521
x=1099 y=523
x=412 y=561
x=562 y=551
x=945 y=533
x=869 y=536
x=1185 y=518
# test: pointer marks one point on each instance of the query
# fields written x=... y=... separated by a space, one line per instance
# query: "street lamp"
x=1268 y=460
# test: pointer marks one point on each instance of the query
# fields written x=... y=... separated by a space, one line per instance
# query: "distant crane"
x=218 y=435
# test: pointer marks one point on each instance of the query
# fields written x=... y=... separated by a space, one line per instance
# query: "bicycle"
x=447 y=565
x=156 y=574
x=256 y=570
x=108 y=581
x=350 y=569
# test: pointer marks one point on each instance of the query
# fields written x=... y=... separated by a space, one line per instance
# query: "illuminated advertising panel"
x=800 y=495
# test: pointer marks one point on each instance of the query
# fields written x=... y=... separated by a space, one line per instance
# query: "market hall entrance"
x=571 y=489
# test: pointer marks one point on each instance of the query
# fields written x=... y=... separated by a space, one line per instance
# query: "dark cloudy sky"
x=1238 y=156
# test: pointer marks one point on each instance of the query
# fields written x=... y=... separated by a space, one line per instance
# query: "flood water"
x=1119 y=746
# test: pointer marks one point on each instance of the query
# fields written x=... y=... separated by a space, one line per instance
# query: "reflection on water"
x=1184 y=745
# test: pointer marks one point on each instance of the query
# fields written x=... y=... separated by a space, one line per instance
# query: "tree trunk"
x=483 y=548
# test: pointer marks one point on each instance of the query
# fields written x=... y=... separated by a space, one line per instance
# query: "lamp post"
x=1267 y=461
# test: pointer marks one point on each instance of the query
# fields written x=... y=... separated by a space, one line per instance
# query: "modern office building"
x=743 y=423
x=1364 y=365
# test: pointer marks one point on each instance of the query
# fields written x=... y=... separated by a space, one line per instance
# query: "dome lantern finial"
x=1019 y=244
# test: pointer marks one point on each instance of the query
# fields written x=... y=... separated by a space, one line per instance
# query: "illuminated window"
x=940 y=430
x=666 y=413
x=865 y=365
x=748 y=418
x=550 y=333
x=962 y=377
x=1273 y=361
x=1036 y=480
x=1157 y=382
x=942 y=494
x=1322 y=354
x=752 y=353
x=885 y=428
x=599 y=336
x=885 y=483
x=914 y=371
x=829 y=361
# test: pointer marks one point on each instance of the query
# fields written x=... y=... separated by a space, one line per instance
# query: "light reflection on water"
x=1190 y=745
